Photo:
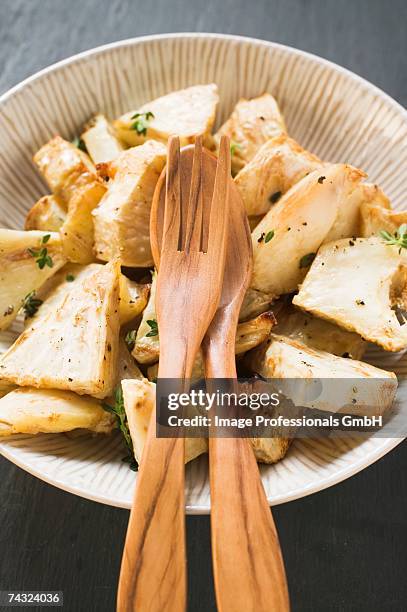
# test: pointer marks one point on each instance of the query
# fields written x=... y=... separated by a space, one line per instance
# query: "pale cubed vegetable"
x=318 y=334
x=27 y=260
x=287 y=238
x=122 y=219
x=186 y=113
x=139 y=401
x=64 y=167
x=250 y=125
x=74 y=347
x=355 y=283
x=133 y=296
x=48 y=213
x=270 y=450
x=285 y=358
x=32 y=411
x=101 y=141
x=375 y=219
x=348 y=220
x=77 y=231
x=277 y=165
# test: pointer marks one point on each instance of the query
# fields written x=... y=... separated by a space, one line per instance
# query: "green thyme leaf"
x=154 y=328
x=31 y=304
x=399 y=238
x=307 y=260
x=79 y=144
x=130 y=339
x=70 y=278
x=42 y=258
x=269 y=236
x=121 y=418
x=234 y=146
x=141 y=123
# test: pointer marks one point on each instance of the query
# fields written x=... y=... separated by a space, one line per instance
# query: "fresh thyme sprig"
x=399 y=238
x=307 y=260
x=79 y=144
x=119 y=412
x=31 y=304
x=42 y=258
x=141 y=123
x=153 y=328
x=234 y=146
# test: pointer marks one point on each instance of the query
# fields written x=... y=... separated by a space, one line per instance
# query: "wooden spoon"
x=247 y=561
x=189 y=284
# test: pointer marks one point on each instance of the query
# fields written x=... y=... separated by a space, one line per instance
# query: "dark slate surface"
x=345 y=548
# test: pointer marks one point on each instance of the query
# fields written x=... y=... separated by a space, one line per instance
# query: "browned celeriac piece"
x=65 y=168
x=293 y=230
x=348 y=220
x=356 y=284
x=122 y=219
x=254 y=303
x=20 y=271
x=251 y=124
x=74 y=346
x=318 y=333
x=32 y=411
x=72 y=177
x=101 y=141
x=133 y=296
x=285 y=358
x=277 y=165
x=49 y=213
x=375 y=218
x=186 y=113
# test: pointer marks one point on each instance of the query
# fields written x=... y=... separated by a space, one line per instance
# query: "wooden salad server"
x=189 y=284
x=247 y=561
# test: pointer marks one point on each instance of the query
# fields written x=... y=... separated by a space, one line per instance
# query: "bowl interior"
x=330 y=111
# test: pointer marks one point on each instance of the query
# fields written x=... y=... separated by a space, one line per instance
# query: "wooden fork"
x=189 y=283
x=248 y=567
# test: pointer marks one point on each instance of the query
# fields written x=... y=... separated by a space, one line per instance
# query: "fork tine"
x=172 y=213
x=193 y=234
x=220 y=197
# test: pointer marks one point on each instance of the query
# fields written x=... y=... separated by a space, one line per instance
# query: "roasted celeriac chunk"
x=254 y=303
x=355 y=283
x=270 y=450
x=139 y=401
x=277 y=165
x=318 y=334
x=32 y=411
x=250 y=125
x=133 y=296
x=287 y=238
x=285 y=358
x=122 y=219
x=101 y=141
x=186 y=113
x=74 y=347
x=375 y=219
x=49 y=213
x=27 y=260
x=348 y=220
x=64 y=167
x=77 y=231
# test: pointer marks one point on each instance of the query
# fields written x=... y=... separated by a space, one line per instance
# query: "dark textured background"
x=345 y=548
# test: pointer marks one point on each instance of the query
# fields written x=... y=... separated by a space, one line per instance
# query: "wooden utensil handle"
x=153 y=571
x=247 y=561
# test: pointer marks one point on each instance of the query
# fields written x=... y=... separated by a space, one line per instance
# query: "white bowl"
x=329 y=110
